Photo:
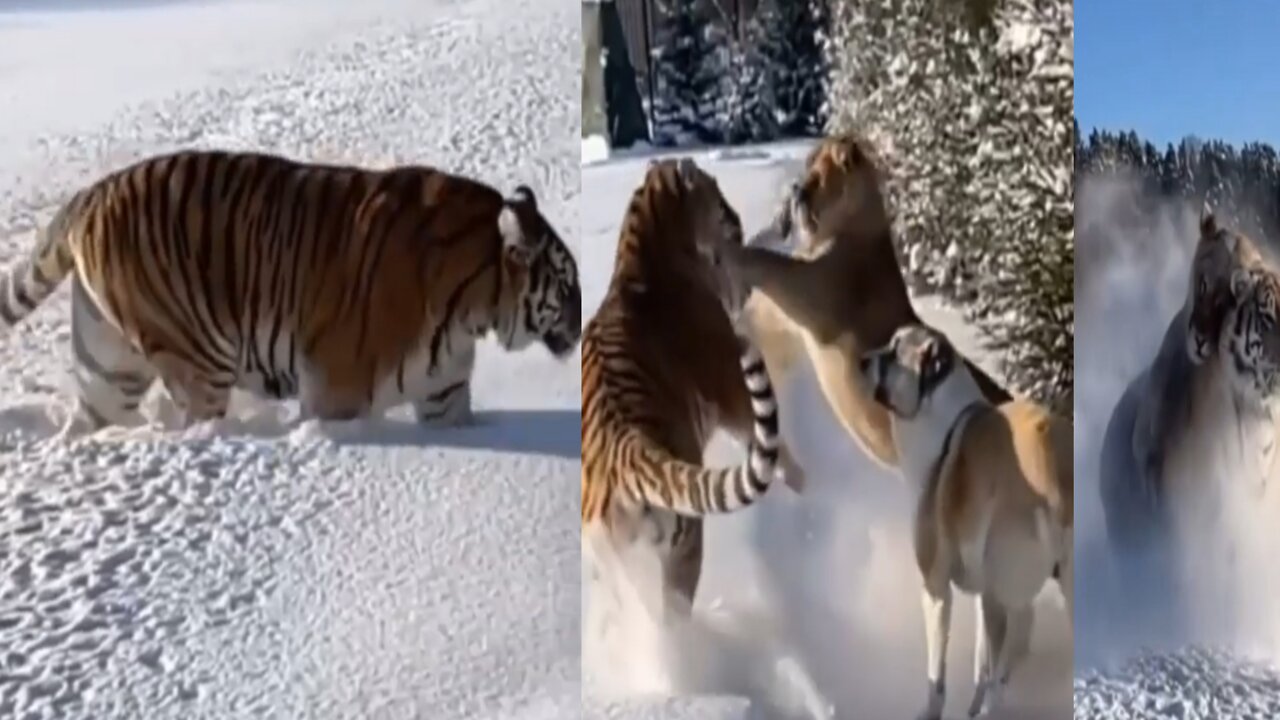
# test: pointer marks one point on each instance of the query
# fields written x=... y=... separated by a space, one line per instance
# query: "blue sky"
x=1171 y=68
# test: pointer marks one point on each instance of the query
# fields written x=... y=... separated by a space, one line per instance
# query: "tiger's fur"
x=1219 y=252
x=1250 y=340
x=662 y=369
x=350 y=289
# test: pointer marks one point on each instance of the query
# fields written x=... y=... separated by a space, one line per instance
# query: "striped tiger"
x=352 y=290
x=662 y=368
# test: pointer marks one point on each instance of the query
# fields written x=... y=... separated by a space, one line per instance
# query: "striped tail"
x=32 y=280
x=695 y=491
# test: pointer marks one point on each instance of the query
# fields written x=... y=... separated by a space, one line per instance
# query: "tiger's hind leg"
x=447 y=394
x=682 y=569
x=198 y=394
x=111 y=375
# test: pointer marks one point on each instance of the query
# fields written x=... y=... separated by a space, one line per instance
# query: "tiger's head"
x=1249 y=335
x=839 y=191
x=540 y=293
x=1219 y=251
x=690 y=220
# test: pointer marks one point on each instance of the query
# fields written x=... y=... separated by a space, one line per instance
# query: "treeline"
x=1241 y=184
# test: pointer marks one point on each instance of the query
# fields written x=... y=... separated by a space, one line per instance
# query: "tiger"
x=1218 y=253
x=659 y=376
x=1181 y=412
x=351 y=290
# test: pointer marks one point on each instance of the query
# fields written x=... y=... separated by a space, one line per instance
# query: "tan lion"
x=844 y=292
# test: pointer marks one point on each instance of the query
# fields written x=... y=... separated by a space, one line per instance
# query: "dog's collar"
x=950 y=439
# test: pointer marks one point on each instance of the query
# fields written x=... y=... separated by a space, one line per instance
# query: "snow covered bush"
x=972 y=114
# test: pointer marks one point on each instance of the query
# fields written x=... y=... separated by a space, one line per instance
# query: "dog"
x=993 y=515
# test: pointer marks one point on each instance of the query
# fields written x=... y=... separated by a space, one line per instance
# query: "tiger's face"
x=716 y=227
x=1249 y=336
x=544 y=299
x=840 y=189
x=681 y=206
x=1210 y=291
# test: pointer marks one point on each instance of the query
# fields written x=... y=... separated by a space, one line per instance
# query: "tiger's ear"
x=1242 y=282
x=517 y=244
x=523 y=194
x=688 y=172
x=1208 y=223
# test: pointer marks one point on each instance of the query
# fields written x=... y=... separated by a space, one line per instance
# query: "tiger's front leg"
x=446 y=398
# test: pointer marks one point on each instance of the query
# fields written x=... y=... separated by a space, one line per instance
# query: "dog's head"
x=905 y=372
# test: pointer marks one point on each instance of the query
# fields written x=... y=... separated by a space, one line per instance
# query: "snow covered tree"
x=690 y=64
x=748 y=113
x=1242 y=185
x=969 y=104
x=788 y=37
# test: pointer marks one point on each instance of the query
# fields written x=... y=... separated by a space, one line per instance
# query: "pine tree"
x=1242 y=185
x=690 y=64
x=789 y=37
x=749 y=99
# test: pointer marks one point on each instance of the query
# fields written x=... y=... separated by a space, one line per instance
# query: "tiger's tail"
x=32 y=280
x=692 y=490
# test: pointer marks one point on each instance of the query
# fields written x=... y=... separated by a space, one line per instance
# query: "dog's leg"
x=1066 y=575
x=1014 y=647
x=1018 y=638
x=936 y=601
x=990 y=634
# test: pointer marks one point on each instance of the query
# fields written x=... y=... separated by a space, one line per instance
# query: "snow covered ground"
x=809 y=604
x=1125 y=666
x=1191 y=683
x=265 y=568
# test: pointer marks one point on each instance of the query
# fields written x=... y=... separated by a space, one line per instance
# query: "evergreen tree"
x=1242 y=185
x=749 y=110
x=789 y=37
x=690 y=65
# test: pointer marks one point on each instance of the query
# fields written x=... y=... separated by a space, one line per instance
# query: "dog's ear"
x=935 y=361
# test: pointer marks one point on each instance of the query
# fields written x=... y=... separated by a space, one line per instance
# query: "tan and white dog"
x=994 y=502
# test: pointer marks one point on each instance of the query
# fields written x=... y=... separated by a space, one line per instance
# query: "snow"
x=594 y=149
x=1195 y=684
x=260 y=566
x=809 y=605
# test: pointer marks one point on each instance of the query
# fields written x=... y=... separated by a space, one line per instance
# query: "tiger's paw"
x=790 y=471
x=453 y=417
